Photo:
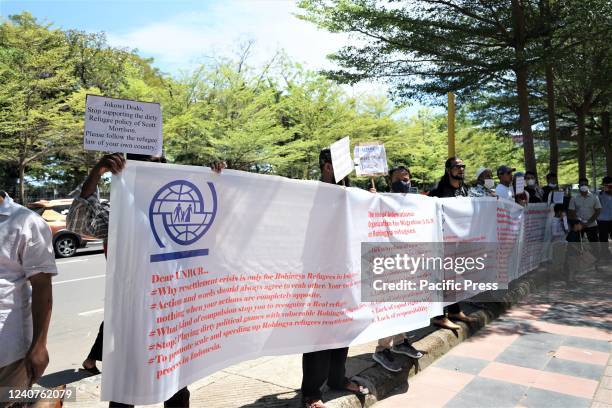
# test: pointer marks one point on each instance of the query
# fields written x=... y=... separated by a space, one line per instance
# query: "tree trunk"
x=518 y=18
x=525 y=120
x=21 y=183
x=552 y=119
x=582 y=164
x=607 y=142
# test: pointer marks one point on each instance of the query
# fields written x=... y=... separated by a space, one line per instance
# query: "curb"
x=382 y=382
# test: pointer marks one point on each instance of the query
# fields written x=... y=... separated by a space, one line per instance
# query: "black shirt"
x=445 y=189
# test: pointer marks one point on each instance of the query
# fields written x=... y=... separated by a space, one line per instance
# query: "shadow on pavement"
x=63 y=377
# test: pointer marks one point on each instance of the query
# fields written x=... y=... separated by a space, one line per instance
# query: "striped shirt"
x=88 y=216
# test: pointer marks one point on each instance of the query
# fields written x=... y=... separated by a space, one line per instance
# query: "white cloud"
x=181 y=42
x=184 y=40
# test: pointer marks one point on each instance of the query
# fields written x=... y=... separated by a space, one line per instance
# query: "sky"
x=180 y=34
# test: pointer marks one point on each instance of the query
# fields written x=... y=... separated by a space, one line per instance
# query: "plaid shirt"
x=88 y=216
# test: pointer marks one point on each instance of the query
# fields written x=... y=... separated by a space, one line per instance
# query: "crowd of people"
x=26 y=255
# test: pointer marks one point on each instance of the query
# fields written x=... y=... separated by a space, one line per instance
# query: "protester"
x=503 y=189
x=586 y=207
x=399 y=178
x=521 y=198
x=452 y=185
x=560 y=229
x=326 y=365
x=551 y=186
x=574 y=250
x=398 y=344
x=536 y=195
x=89 y=216
x=604 y=220
x=26 y=255
x=483 y=184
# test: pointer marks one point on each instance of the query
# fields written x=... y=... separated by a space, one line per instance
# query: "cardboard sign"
x=122 y=126
x=520 y=185
x=370 y=159
x=341 y=158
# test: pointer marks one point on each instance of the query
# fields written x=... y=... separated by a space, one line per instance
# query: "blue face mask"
x=400 y=186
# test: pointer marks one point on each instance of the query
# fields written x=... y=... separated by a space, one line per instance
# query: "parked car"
x=65 y=243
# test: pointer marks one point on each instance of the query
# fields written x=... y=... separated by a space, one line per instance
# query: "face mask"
x=489 y=183
x=531 y=183
x=400 y=186
x=584 y=189
x=552 y=185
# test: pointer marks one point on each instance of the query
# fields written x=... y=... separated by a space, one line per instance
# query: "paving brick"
x=582 y=355
x=577 y=369
x=536 y=398
x=589 y=344
x=461 y=364
x=484 y=392
x=525 y=355
x=566 y=384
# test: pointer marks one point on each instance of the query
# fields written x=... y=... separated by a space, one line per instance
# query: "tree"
x=35 y=83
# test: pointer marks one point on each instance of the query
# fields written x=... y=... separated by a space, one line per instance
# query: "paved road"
x=78 y=308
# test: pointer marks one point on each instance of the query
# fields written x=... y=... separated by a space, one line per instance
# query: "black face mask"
x=400 y=186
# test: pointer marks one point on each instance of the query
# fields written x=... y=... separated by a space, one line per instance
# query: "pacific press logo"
x=180 y=214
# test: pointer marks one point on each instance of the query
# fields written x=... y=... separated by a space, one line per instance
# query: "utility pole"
x=451 y=124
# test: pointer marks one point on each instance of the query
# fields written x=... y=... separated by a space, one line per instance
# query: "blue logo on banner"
x=179 y=211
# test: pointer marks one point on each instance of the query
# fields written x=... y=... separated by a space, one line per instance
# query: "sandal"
x=357 y=389
x=92 y=370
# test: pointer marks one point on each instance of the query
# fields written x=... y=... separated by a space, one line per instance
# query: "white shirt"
x=585 y=207
x=504 y=192
x=25 y=250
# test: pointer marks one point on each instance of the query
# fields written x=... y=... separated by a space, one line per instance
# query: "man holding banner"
x=89 y=216
x=326 y=365
x=451 y=185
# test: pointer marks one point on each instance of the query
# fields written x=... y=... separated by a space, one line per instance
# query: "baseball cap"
x=481 y=170
x=504 y=169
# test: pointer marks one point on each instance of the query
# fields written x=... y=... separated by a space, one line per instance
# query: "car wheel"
x=66 y=246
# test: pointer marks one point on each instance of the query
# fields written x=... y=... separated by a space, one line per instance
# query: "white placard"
x=122 y=126
x=370 y=159
x=520 y=185
x=558 y=197
x=341 y=158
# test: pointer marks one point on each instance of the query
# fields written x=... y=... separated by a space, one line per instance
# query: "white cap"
x=481 y=170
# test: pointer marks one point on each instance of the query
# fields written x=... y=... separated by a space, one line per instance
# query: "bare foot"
x=462 y=316
x=445 y=324
x=90 y=365
x=314 y=404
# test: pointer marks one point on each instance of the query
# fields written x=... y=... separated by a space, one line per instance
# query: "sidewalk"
x=551 y=350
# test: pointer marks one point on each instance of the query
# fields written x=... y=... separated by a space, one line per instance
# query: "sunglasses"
x=458 y=166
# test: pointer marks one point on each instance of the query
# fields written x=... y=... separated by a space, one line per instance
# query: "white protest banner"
x=537 y=219
x=370 y=159
x=122 y=126
x=207 y=270
x=471 y=223
x=341 y=158
x=520 y=185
